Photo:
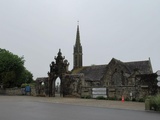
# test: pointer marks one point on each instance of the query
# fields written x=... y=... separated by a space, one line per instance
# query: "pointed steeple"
x=78 y=35
x=77 y=55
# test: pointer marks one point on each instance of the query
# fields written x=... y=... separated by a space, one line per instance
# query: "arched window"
x=116 y=79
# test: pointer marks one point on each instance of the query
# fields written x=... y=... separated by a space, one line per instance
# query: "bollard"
x=122 y=99
x=147 y=104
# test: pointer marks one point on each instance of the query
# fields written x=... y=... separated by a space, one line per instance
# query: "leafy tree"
x=27 y=76
x=12 y=70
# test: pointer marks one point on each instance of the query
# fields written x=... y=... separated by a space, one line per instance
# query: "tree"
x=12 y=70
x=27 y=76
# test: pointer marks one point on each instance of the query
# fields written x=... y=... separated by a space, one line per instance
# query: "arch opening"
x=57 y=87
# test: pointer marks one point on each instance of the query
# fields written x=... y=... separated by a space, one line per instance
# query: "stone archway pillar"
x=53 y=88
x=57 y=69
x=62 y=78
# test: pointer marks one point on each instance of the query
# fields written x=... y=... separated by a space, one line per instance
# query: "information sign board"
x=28 y=89
x=96 y=92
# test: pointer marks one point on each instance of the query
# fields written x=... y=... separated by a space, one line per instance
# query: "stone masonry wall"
x=16 y=91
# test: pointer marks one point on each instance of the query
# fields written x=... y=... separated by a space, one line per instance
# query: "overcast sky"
x=128 y=30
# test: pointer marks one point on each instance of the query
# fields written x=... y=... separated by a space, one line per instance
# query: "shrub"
x=134 y=99
x=119 y=99
x=24 y=85
x=112 y=98
x=141 y=100
x=40 y=95
x=155 y=102
x=127 y=99
x=86 y=97
x=32 y=84
x=101 y=98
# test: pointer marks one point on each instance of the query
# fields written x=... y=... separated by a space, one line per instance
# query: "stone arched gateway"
x=57 y=69
x=70 y=84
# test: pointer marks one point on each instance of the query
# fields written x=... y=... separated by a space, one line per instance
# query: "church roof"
x=92 y=73
x=144 y=67
x=96 y=72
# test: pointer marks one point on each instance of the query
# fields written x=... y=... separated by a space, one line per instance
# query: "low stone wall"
x=86 y=92
x=16 y=91
x=128 y=92
x=13 y=91
x=116 y=92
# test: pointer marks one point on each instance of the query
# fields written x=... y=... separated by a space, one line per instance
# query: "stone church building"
x=118 y=77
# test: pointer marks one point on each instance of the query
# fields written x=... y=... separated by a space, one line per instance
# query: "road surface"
x=33 y=108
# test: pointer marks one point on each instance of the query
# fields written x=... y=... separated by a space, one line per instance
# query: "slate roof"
x=92 y=73
x=144 y=67
x=96 y=72
x=41 y=79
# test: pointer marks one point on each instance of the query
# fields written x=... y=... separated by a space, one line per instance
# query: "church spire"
x=78 y=35
x=77 y=55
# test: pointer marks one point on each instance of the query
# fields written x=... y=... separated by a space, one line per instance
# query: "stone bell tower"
x=77 y=55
